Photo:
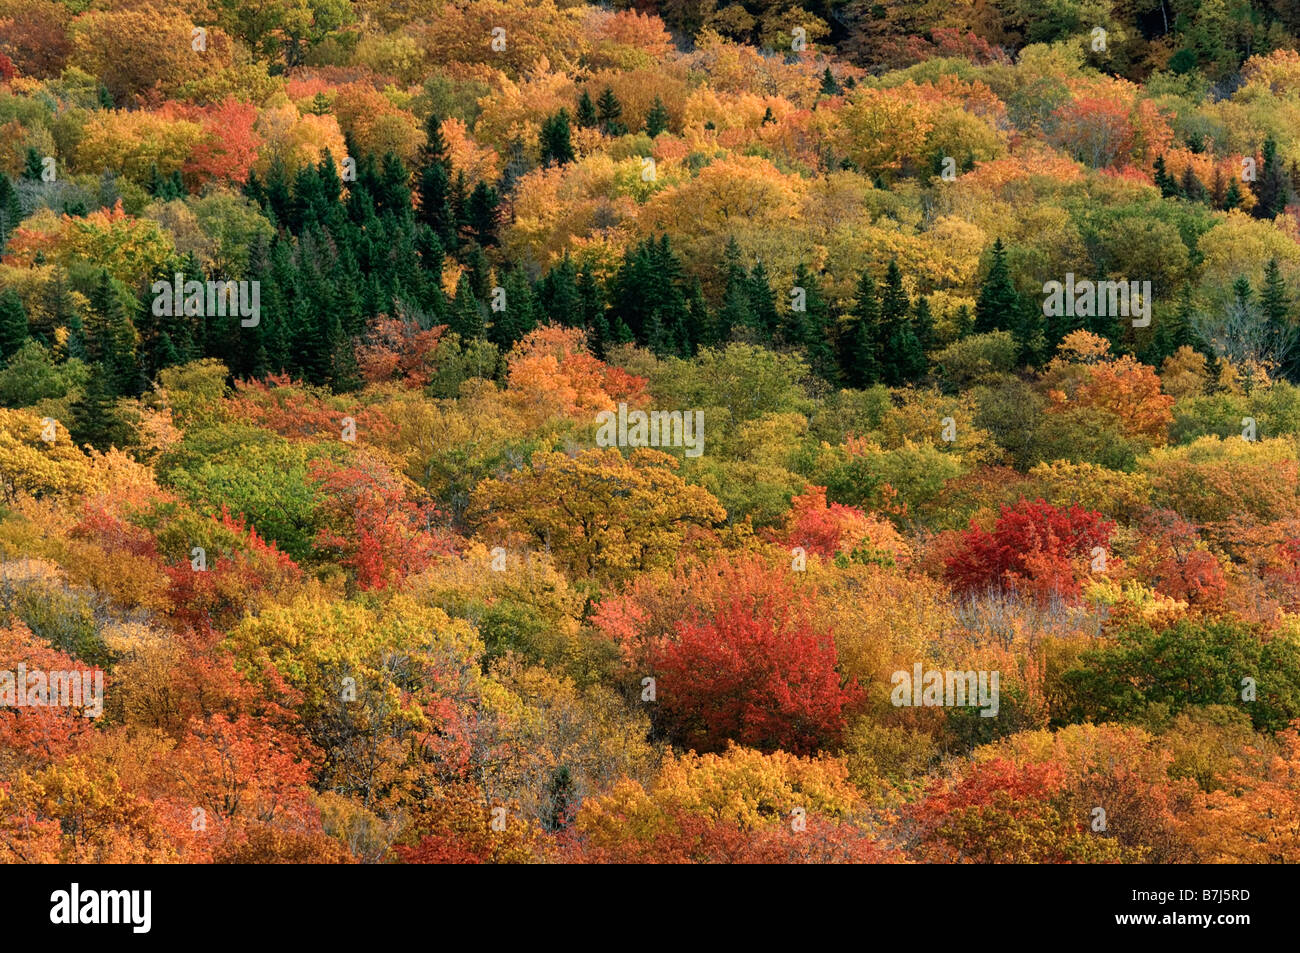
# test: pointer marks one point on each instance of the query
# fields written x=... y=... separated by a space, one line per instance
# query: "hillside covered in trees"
x=683 y=431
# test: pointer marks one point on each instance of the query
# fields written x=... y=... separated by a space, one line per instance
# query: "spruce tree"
x=10 y=211
x=587 y=117
x=1272 y=185
x=482 y=214
x=13 y=323
x=924 y=323
x=861 y=358
x=436 y=211
x=555 y=140
x=815 y=328
x=95 y=420
x=33 y=166
x=656 y=120
x=110 y=336
x=466 y=318
x=1232 y=198
x=610 y=111
x=591 y=297
x=1275 y=306
x=902 y=359
x=558 y=294
x=559 y=802
x=519 y=315
x=434 y=151
x=736 y=310
x=998 y=302
x=1163 y=180
x=762 y=305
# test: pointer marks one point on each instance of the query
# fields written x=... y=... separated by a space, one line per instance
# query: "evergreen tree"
x=110 y=336
x=33 y=166
x=555 y=140
x=95 y=419
x=829 y=86
x=813 y=330
x=1164 y=181
x=482 y=214
x=436 y=211
x=1232 y=198
x=587 y=117
x=1272 y=185
x=1191 y=186
x=434 y=151
x=1275 y=306
x=656 y=120
x=998 y=302
x=592 y=300
x=861 y=359
x=13 y=323
x=519 y=315
x=10 y=211
x=560 y=800
x=902 y=359
x=344 y=374
x=558 y=294
x=466 y=318
x=737 y=310
x=610 y=112
x=698 y=326
x=393 y=194
x=762 y=305
x=924 y=323
x=479 y=272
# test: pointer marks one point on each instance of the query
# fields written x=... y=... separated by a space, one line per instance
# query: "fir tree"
x=901 y=357
x=587 y=117
x=998 y=303
x=610 y=112
x=656 y=120
x=559 y=296
x=436 y=210
x=1164 y=181
x=814 y=328
x=110 y=336
x=95 y=419
x=1272 y=186
x=861 y=358
x=558 y=807
x=518 y=317
x=1275 y=306
x=10 y=211
x=1232 y=198
x=466 y=318
x=555 y=140
x=33 y=165
x=13 y=323
x=762 y=304
x=482 y=214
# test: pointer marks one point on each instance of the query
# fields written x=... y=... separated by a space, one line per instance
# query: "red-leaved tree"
x=1034 y=547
